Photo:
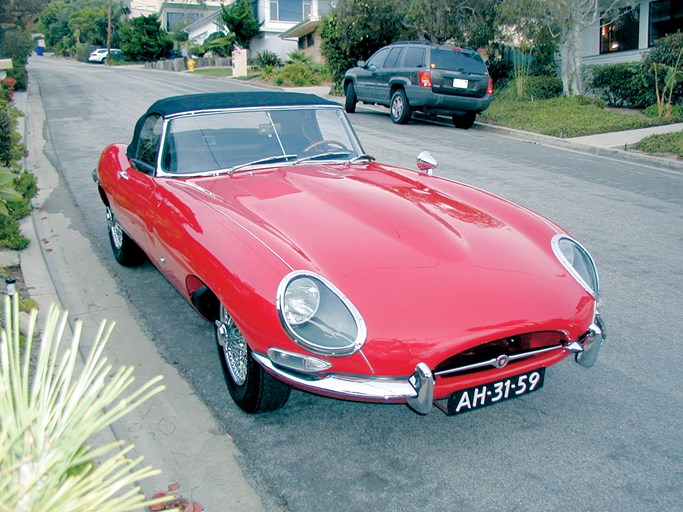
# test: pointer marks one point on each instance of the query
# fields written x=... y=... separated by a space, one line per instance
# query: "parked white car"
x=100 y=55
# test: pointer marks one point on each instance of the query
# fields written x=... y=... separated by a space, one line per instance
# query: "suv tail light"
x=424 y=78
x=489 y=89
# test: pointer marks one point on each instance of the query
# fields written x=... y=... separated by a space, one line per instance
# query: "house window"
x=307 y=9
x=287 y=10
x=666 y=17
x=621 y=34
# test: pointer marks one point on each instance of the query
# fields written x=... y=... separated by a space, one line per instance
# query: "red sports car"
x=326 y=271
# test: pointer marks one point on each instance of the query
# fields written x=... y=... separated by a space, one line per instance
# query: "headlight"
x=317 y=316
x=578 y=262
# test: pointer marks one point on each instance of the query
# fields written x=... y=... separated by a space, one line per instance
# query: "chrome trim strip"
x=417 y=389
x=494 y=362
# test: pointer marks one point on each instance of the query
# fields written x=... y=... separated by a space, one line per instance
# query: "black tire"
x=399 y=109
x=252 y=388
x=351 y=99
x=125 y=250
x=464 y=121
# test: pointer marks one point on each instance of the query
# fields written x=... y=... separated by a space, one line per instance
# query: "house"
x=279 y=16
x=625 y=39
x=307 y=36
x=180 y=14
x=203 y=28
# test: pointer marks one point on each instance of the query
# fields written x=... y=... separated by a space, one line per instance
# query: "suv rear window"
x=456 y=60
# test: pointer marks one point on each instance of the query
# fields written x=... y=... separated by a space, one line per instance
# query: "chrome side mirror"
x=426 y=163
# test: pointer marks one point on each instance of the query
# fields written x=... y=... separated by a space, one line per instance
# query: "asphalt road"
x=603 y=439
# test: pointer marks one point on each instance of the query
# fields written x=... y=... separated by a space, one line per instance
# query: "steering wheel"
x=325 y=142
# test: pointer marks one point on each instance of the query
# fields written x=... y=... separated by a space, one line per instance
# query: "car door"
x=385 y=73
x=366 y=79
x=134 y=192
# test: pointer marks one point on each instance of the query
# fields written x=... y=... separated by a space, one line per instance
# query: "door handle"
x=123 y=174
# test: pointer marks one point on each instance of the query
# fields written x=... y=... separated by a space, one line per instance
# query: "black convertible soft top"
x=222 y=100
x=218 y=100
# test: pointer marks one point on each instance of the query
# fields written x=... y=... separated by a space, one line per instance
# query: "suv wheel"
x=399 y=108
x=351 y=99
x=465 y=120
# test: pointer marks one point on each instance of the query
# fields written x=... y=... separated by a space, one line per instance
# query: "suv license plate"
x=494 y=392
x=459 y=83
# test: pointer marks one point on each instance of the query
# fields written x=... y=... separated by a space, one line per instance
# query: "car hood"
x=425 y=260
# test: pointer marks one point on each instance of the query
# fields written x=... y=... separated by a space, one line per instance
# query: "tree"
x=564 y=19
x=89 y=25
x=464 y=22
x=238 y=18
x=142 y=38
x=20 y=13
x=355 y=29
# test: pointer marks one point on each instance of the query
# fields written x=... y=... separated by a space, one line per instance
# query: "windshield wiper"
x=321 y=156
x=362 y=156
x=267 y=160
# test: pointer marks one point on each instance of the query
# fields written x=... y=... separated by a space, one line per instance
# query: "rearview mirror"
x=426 y=163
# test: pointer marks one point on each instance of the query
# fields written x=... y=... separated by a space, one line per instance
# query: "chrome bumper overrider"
x=417 y=389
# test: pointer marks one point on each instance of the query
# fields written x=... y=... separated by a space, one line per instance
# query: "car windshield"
x=233 y=140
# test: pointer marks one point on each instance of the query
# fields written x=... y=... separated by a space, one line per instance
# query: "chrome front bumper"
x=417 y=390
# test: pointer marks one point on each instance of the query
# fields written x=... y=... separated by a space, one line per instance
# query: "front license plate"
x=494 y=392
x=459 y=83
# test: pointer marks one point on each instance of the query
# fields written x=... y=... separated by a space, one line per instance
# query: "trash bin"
x=191 y=63
x=40 y=50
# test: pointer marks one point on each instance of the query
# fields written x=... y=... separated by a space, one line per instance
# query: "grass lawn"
x=564 y=117
x=213 y=71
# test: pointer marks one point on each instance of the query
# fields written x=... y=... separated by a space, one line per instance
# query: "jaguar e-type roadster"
x=328 y=272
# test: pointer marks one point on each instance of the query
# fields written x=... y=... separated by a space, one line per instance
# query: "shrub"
x=676 y=112
x=20 y=76
x=532 y=88
x=301 y=57
x=297 y=75
x=11 y=150
x=618 y=84
x=7 y=87
x=267 y=59
x=664 y=51
x=50 y=407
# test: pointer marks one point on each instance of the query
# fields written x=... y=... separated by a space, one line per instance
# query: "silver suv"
x=422 y=76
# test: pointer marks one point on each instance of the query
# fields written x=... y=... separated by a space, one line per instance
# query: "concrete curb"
x=174 y=430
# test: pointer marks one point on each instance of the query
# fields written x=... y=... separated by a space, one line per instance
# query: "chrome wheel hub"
x=234 y=347
x=114 y=229
x=397 y=107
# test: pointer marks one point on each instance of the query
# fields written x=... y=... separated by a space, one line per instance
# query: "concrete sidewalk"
x=174 y=430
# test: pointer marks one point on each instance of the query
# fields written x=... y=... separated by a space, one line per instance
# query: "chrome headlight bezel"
x=333 y=309
x=590 y=282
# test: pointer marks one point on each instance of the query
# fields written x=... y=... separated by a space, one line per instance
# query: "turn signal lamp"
x=489 y=89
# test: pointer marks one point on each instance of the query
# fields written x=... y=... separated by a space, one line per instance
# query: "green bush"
x=20 y=76
x=531 y=88
x=267 y=59
x=11 y=149
x=676 y=112
x=664 y=51
x=618 y=84
x=296 y=75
